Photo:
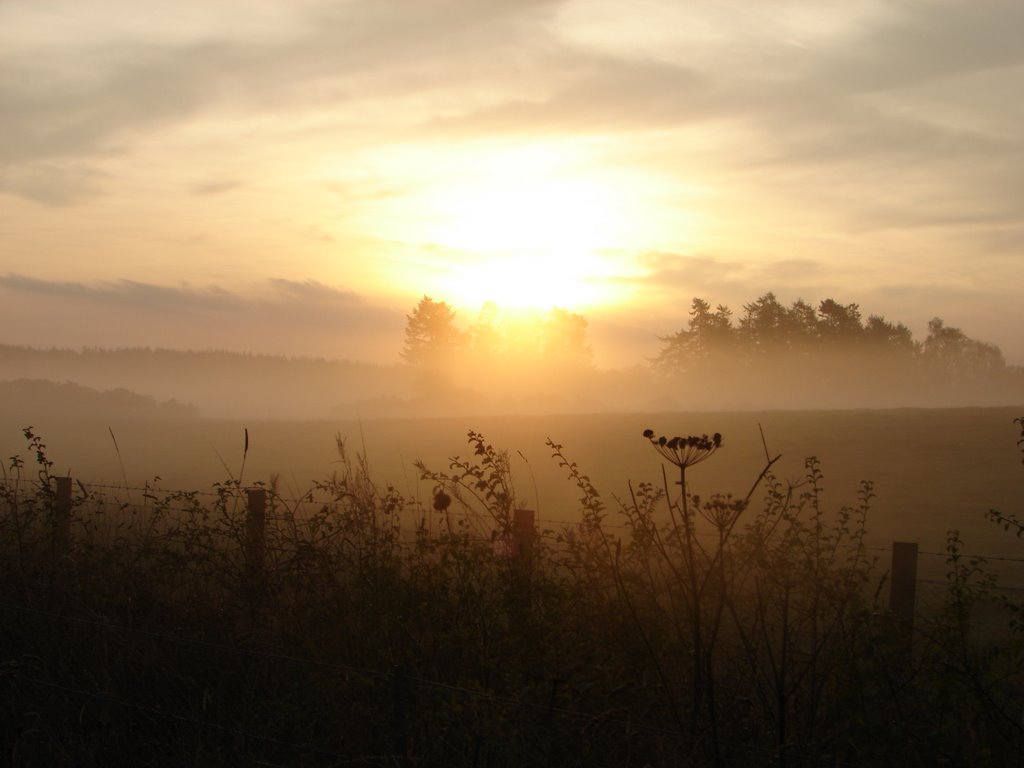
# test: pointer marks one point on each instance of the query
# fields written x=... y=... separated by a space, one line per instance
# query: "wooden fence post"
x=255 y=531
x=523 y=542
x=62 y=518
x=523 y=535
x=903 y=583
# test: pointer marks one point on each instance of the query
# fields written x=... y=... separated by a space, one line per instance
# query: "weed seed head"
x=685 y=451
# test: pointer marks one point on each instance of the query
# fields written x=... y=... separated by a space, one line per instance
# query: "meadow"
x=932 y=469
x=380 y=612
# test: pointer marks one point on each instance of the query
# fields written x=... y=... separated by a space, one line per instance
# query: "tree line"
x=768 y=329
x=772 y=354
x=497 y=337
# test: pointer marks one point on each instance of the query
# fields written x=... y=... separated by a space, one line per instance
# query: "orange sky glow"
x=170 y=172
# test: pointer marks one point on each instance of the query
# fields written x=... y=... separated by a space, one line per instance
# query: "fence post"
x=255 y=531
x=62 y=518
x=903 y=583
x=523 y=542
x=523 y=535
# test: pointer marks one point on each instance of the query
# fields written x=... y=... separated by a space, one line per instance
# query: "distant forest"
x=68 y=399
x=220 y=384
x=772 y=355
x=770 y=330
x=833 y=349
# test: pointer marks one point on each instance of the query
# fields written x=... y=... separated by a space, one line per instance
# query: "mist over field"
x=927 y=420
x=932 y=469
x=511 y=383
x=506 y=361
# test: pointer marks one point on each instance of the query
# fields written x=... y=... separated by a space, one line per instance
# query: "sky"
x=293 y=177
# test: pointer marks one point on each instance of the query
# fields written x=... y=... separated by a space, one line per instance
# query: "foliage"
x=508 y=339
x=431 y=338
x=824 y=356
x=665 y=628
x=952 y=353
x=769 y=329
x=1010 y=521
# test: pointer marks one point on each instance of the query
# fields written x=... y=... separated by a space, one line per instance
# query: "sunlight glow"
x=534 y=222
x=542 y=224
x=545 y=198
x=528 y=280
x=550 y=216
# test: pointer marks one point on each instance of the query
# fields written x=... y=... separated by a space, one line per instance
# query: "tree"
x=710 y=331
x=765 y=325
x=486 y=340
x=883 y=335
x=707 y=333
x=802 y=323
x=949 y=351
x=431 y=338
x=565 y=338
x=840 y=323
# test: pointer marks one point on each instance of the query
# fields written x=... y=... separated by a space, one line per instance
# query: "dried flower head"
x=721 y=511
x=441 y=500
x=685 y=451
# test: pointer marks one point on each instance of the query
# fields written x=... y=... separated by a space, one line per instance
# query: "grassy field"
x=379 y=627
x=933 y=470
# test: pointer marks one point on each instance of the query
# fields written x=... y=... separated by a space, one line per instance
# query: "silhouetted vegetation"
x=515 y=361
x=220 y=384
x=504 y=356
x=431 y=338
x=75 y=401
x=809 y=351
x=664 y=629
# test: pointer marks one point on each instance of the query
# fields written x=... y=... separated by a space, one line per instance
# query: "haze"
x=293 y=178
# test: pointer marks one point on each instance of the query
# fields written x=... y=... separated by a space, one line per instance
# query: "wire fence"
x=311 y=498
x=389 y=681
x=291 y=508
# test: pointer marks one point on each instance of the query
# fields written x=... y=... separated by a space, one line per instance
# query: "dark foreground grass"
x=367 y=629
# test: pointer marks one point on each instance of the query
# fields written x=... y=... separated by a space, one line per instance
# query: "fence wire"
x=234 y=495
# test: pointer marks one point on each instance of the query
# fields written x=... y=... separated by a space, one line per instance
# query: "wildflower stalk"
x=684 y=453
x=705 y=621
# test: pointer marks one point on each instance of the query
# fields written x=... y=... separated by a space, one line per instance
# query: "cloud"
x=215 y=187
x=281 y=316
x=897 y=121
x=56 y=115
x=139 y=296
x=57 y=107
x=926 y=40
x=596 y=93
x=515 y=73
x=53 y=184
x=719 y=280
x=669 y=272
x=278 y=292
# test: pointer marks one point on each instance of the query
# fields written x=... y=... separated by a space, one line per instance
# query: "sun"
x=548 y=223
x=572 y=279
x=532 y=242
x=551 y=215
